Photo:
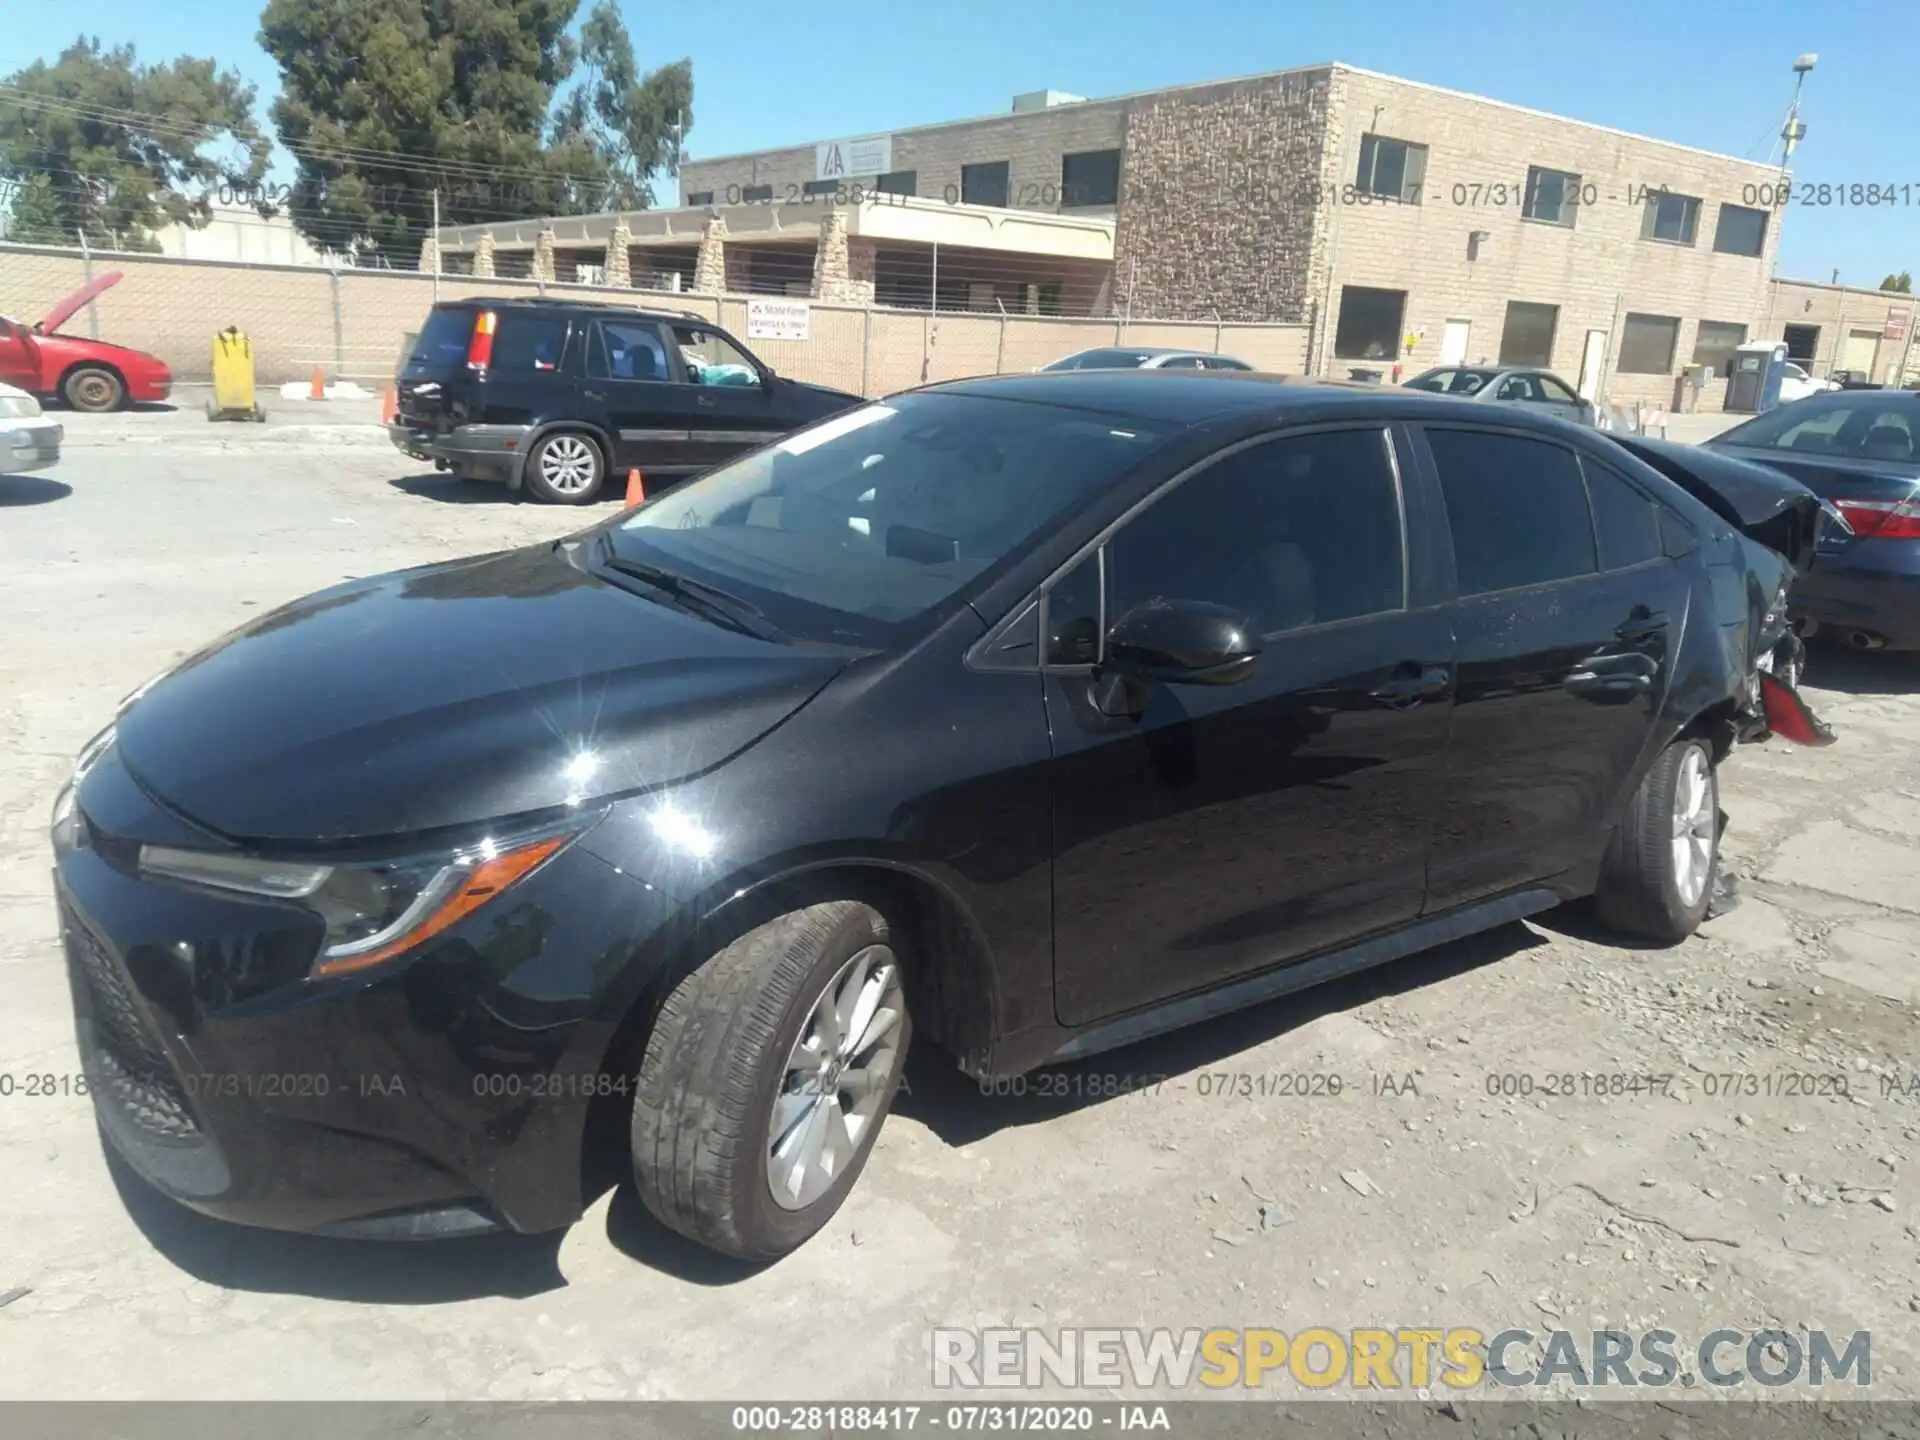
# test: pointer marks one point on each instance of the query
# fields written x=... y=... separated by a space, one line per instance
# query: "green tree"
x=1901 y=284
x=387 y=103
x=98 y=143
x=33 y=213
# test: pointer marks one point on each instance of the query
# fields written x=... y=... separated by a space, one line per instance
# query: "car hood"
x=67 y=308
x=1761 y=502
x=453 y=694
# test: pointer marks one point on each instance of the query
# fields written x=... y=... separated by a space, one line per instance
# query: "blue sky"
x=1716 y=76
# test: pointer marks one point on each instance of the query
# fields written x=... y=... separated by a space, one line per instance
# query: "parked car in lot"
x=1536 y=389
x=84 y=374
x=1025 y=716
x=1797 y=384
x=1145 y=357
x=28 y=439
x=1859 y=450
x=553 y=395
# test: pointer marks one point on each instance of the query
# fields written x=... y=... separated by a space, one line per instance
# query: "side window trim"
x=1386 y=429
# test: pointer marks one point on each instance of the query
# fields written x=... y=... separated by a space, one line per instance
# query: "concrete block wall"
x=1595 y=272
x=1031 y=143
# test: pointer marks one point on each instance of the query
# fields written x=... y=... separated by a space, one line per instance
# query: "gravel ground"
x=1420 y=1195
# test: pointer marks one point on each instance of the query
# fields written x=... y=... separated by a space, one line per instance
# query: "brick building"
x=1404 y=224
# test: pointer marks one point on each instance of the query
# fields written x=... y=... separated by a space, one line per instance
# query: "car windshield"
x=1870 y=426
x=854 y=531
x=1103 y=360
x=1452 y=382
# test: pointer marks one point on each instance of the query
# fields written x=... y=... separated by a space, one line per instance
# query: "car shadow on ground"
x=31 y=490
x=1862 y=672
x=368 y=1272
x=452 y=490
x=961 y=1111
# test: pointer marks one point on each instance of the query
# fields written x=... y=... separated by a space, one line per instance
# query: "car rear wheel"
x=93 y=389
x=769 y=1072
x=565 y=468
x=1657 y=877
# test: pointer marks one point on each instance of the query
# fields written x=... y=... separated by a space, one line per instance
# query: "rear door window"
x=1625 y=522
x=1516 y=508
x=627 y=350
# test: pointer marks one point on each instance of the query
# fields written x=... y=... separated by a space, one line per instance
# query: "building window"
x=1646 y=344
x=898 y=182
x=1527 y=338
x=1803 y=343
x=1391 y=169
x=699 y=197
x=755 y=194
x=822 y=187
x=1553 y=196
x=1091 y=178
x=1369 y=327
x=1716 y=342
x=984 y=184
x=1672 y=218
x=1740 y=231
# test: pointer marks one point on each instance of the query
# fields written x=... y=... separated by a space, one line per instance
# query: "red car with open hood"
x=86 y=374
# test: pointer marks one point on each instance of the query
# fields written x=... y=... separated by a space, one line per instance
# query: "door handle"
x=1642 y=627
x=1411 y=684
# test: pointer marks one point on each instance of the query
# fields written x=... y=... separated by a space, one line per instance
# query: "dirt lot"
x=1693 y=1209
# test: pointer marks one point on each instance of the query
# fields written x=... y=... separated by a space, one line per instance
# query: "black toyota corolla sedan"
x=1022 y=717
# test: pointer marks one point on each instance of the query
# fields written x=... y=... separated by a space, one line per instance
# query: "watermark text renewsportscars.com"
x=1395 y=1358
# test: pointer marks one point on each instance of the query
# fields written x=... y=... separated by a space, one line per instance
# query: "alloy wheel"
x=568 y=464
x=836 y=1078
x=1693 y=827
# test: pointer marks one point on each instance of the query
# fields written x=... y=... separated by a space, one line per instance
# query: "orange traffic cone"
x=636 y=489
x=318 y=389
x=389 y=404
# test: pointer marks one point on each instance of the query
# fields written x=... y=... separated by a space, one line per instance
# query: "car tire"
x=94 y=389
x=565 y=467
x=729 y=1097
x=1658 y=873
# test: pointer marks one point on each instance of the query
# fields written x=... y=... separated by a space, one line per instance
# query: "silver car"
x=1145 y=357
x=1538 y=390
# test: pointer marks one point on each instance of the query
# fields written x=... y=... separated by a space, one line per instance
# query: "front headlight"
x=19 y=407
x=377 y=910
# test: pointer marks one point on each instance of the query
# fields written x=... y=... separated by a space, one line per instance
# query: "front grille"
x=130 y=1063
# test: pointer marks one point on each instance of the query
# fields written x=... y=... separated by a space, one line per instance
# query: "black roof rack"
x=567 y=302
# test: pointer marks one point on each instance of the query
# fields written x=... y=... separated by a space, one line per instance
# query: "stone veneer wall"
x=1218 y=190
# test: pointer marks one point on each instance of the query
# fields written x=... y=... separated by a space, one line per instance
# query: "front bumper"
x=1871 y=586
x=480 y=452
x=29 y=445
x=445 y=1095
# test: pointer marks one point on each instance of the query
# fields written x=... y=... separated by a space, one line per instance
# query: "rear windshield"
x=442 y=341
x=1104 y=360
x=855 y=530
x=1869 y=426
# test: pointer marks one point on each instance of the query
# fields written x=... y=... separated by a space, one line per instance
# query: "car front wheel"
x=1657 y=877
x=93 y=389
x=766 y=1078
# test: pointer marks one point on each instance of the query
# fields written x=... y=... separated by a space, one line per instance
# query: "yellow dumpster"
x=233 y=378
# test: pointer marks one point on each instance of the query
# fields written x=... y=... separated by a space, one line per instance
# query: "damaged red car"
x=85 y=374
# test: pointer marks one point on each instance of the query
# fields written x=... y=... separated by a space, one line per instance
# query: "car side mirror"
x=1182 y=642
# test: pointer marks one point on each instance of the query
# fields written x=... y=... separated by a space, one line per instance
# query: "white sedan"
x=28 y=440
x=1797 y=384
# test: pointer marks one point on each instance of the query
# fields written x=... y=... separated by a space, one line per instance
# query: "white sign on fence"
x=845 y=159
x=778 y=319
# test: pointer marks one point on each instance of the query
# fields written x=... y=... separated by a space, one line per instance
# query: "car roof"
x=1194 y=397
x=561 y=302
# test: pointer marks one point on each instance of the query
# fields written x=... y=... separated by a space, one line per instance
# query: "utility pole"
x=436 y=244
x=1791 y=135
